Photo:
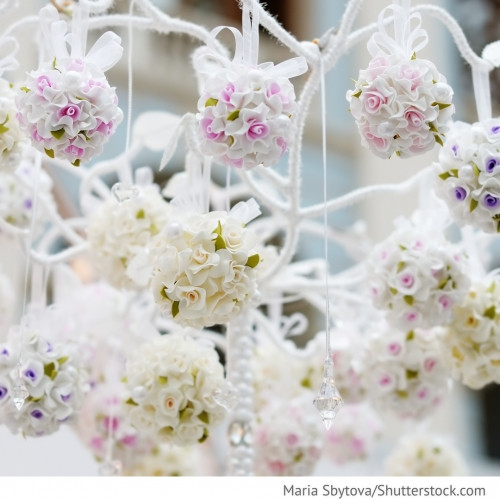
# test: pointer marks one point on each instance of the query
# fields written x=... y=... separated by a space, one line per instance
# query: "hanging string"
x=325 y=200
x=228 y=186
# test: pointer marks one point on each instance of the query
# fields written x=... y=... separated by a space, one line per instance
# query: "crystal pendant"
x=328 y=401
x=123 y=193
x=111 y=468
x=226 y=396
x=19 y=395
x=240 y=433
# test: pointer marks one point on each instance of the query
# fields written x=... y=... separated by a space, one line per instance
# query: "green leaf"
x=57 y=133
x=433 y=128
x=3 y=128
x=220 y=244
x=475 y=168
x=49 y=152
x=393 y=291
x=298 y=457
x=76 y=163
x=50 y=370
x=130 y=401
x=25 y=89
x=498 y=226
x=413 y=56
x=211 y=101
x=410 y=335
x=306 y=382
x=357 y=94
x=54 y=62
x=454 y=172
x=204 y=437
x=473 y=204
x=175 y=308
x=441 y=105
x=398 y=153
x=218 y=229
x=402 y=247
x=163 y=293
x=401 y=266
x=204 y=417
x=63 y=360
x=438 y=140
x=492 y=287
x=402 y=394
x=253 y=260
x=233 y=115
x=140 y=214
x=443 y=283
x=408 y=299
x=444 y=175
x=411 y=374
x=162 y=380
x=490 y=312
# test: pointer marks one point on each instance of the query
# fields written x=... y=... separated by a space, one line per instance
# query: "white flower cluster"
x=166 y=460
x=401 y=106
x=468 y=174
x=289 y=438
x=120 y=233
x=404 y=373
x=68 y=109
x=206 y=272
x=424 y=455
x=245 y=115
x=471 y=343
x=353 y=435
x=17 y=196
x=55 y=383
x=11 y=135
x=171 y=382
x=417 y=278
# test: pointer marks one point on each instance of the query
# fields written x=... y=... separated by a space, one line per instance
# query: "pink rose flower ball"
x=401 y=106
x=68 y=110
x=245 y=117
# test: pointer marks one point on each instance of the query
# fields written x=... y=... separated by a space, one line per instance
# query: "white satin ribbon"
x=8 y=49
x=406 y=40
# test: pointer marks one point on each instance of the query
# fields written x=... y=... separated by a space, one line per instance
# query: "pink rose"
x=71 y=110
x=206 y=126
x=373 y=100
x=74 y=150
x=415 y=118
x=257 y=130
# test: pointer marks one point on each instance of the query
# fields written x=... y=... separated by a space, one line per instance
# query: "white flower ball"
x=401 y=106
x=166 y=460
x=12 y=138
x=17 y=197
x=289 y=437
x=171 y=382
x=424 y=455
x=120 y=235
x=404 y=373
x=68 y=110
x=55 y=383
x=246 y=115
x=353 y=435
x=471 y=342
x=417 y=278
x=205 y=274
x=468 y=174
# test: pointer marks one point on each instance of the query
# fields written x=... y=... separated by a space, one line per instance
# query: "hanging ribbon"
x=246 y=50
x=406 y=40
x=8 y=50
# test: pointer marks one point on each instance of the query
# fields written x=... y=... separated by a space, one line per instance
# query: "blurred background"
x=163 y=79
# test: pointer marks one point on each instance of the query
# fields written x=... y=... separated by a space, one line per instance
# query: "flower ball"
x=54 y=382
x=468 y=174
x=68 y=110
x=245 y=115
x=12 y=138
x=171 y=382
x=289 y=437
x=401 y=106
x=119 y=233
x=471 y=342
x=417 y=278
x=207 y=271
x=405 y=374
x=424 y=455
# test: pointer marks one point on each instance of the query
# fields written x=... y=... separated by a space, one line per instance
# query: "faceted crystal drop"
x=240 y=433
x=226 y=396
x=112 y=468
x=328 y=401
x=123 y=193
x=19 y=395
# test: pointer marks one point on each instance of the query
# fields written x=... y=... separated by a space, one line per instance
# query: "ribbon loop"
x=8 y=50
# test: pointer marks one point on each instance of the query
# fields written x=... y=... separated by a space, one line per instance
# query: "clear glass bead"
x=19 y=395
x=328 y=402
